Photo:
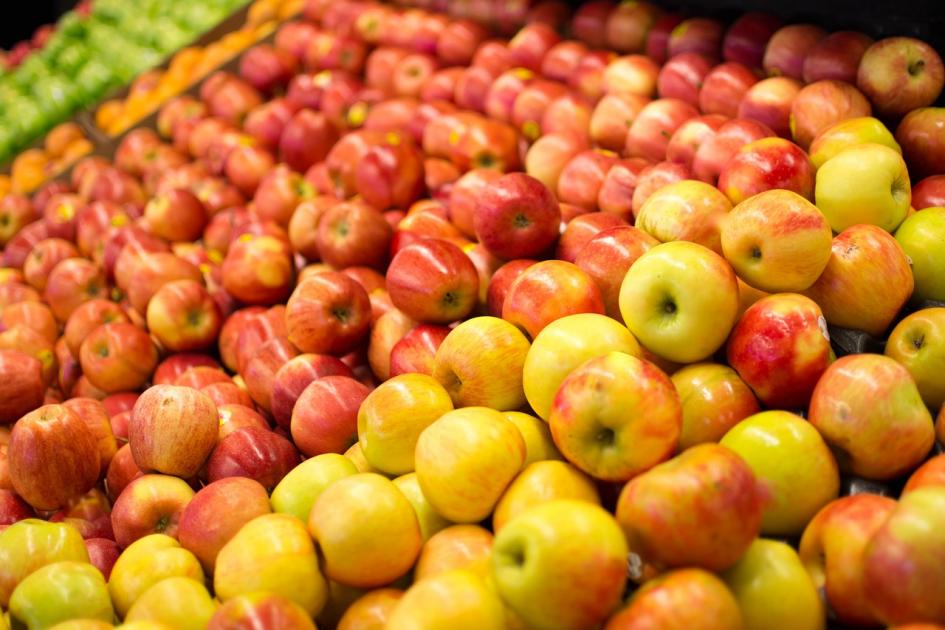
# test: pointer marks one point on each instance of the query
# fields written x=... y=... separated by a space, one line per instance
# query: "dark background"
x=924 y=19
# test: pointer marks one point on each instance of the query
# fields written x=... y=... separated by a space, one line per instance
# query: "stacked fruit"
x=317 y=348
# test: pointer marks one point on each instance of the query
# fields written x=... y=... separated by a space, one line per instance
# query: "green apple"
x=298 y=490
x=565 y=344
x=430 y=522
x=918 y=343
x=792 y=462
x=922 y=237
x=864 y=183
x=61 y=591
x=773 y=590
x=561 y=564
x=680 y=300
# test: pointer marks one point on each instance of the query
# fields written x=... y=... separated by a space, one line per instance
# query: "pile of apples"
x=406 y=325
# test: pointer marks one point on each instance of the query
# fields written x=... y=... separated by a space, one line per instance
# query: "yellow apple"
x=539 y=445
x=848 y=133
x=792 y=462
x=918 y=343
x=539 y=483
x=28 y=545
x=777 y=241
x=275 y=553
x=748 y=295
x=773 y=590
x=466 y=547
x=430 y=522
x=561 y=564
x=688 y=210
x=864 y=183
x=455 y=600
x=58 y=592
x=371 y=611
x=466 y=459
x=714 y=399
x=680 y=300
x=356 y=455
x=144 y=563
x=392 y=417
x=298 y=490
x=480 y=364
x=565 y=344
x=179 y=602
x=366 y=529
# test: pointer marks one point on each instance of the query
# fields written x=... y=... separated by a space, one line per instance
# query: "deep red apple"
x=433 y=281
x=259 y=454
x=517 y=217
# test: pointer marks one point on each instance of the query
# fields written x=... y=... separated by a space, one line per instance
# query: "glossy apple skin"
x=919 y=133
x=260 y=610
x=545 y=160
x=328 y=313
x=548 y=291
x=183 y=317
x=931 y=473
x=517 y=217
x=836 y=57
x=416 y=350
x=688 y=210
x=777 y=241
x=928 y=193
x=764 y=165
x=433 y=281
x=788 y=49
x=709 y=480
x=900 y=560
x=872 y=389
x=799 y=484
x=917 y=342
x=780 y=347
x=769 y=102
x=260 y=369
x=53 y=457
x=674 y=597
x=455 y=547
x=173 y=430
x=559 y=552
x=832 y=552
x=607 y=257
x=849 y=291
x=713 y=154
x=582 y=177
x=900 y=74
x=821 y=105
x=691 y=135
x=21 y=385
x=294 y=376
x=650 y=132
x=636 y=441
x=258 y=269
x=919 y=236
x=150 y=504
x=682 y=77
x=714 y=399
x=253 y=452
x=96 y=417
x=325 y=417
x=723 y=88
x=831 y=140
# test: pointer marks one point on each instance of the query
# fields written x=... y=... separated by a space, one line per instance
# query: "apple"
x=767 y=164
x=700 y=35
x=416 y=350
x=607 y=257
x=72 y=282
x=266 y=123
x=474 y=443
x=547 y=291
x=675 y=597
x=539 y=483
x=866 y=183
x=545 y=160
x=837 y=57
x=258 y=269
x=588 y=77
x=581 y=229
x=433 y=281
x=652 y=128
x=900 y=74
x=236 y=417
x=299 y=489
x=21 y=385
x=122 y=470
x=627 y=26
x=31 y=544
x=193 y=604
x=657 y=40
x=714 y=399
x=96 y=417
x=231 y=329
x=45 y=255
x=919 y=236
x=568 y=542
x=831 y=140
x=822 y=104
x=769 y=102
x=59 y=592
x=568 y=114
x=724 y=87
x=176 y=365
x=177 y=215
x=691 y=135
x=773 y=590
x=582 y=177
x=324 y=418
x=245 y=165
x=788 y=48
x=274 y=553
x=705 y=478
x=832 y=552
x=653 y=177
x=608 y=125
x=429 y=521
x=632 y=77
x=303 y=226
x=16 y=212
x=517 y=217
x=454 y=598
x=799 y=484
x=609 y=445
x=688 y=210
x=13 y=508
x=918 y=344
x=150 y=504
x=261 y=607
x=655 y=306
x=919 y=133
x=850 y=292
x=103 y=553
x=777 y=241
x=931 y=473
x=279 y=194
x=353 y=234
x=790 y=332
x=294 y=376
x=928 y=193
x=853 y=406
x=683 y=75
x=253 y=452
x=713 y=154
x=183 y=317
x=172 y=430
x=899 y=560
x=150 y=272
x=328 y=313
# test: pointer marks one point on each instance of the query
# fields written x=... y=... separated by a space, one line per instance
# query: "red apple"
x=21 y=385
x=696 y=35
x=589 y=22
x=183 y=317
x=433 y=281
x=570 y=114
x=547 y=291
x=530 y=45
x=821 y=105
x=651 y=130
x=325 y=418
x=654 y=177
x=628 y=25
x=769 y=102
x=118 y=357
x=328 y=313
x=416 y=350
x=72 y=282
x=620 y=183
x=267 y=68
x=836 y=57
x=246 y=165
x=176 y=365
x=788 y=49
x=900 y=74
x=391 y=175
x=606 y=258
x=767 y=164
x=294 y=376
x=746 y=39
x=929 y=193
x=517 y=217
x=150 y=504
x=724 y=87
x=279 y=194
x=715 y=152
x=580 y=230
x=260 y=369
x=121 y=471
x=259 y=454
x=691 y=135
x=258 y=269
x=458 y=41
x=920 y=136
x=561 y=60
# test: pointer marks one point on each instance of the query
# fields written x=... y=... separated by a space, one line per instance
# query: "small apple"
x=900 y=74
x=920 y=236
x=714 y=399
x=688 y=210
x=150 y=504
x=607 y=257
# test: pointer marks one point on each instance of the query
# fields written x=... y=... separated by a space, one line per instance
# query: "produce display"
x=486 y=315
